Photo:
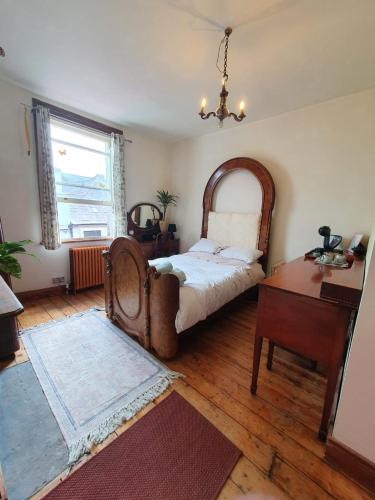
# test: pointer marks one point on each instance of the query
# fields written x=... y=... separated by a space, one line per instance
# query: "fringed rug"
x=93 y=375
x=172 y=453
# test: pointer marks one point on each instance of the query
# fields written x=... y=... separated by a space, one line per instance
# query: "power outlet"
x=59 y=280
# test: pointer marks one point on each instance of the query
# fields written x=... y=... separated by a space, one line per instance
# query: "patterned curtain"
x=46 y=178
x=118 y=185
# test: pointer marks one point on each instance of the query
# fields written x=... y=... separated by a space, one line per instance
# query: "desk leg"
x=271 y=347
x=332 y=378
x=256 y=361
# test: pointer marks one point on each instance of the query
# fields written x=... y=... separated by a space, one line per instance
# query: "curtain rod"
x=31 y=108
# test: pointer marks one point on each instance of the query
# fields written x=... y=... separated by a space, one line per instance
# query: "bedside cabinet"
x=170 y=247
x=161 y=247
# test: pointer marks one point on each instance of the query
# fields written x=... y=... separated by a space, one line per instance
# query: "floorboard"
x=276 y=430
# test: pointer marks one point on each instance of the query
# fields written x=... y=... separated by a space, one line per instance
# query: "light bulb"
x=242 y=106
x=203 y=103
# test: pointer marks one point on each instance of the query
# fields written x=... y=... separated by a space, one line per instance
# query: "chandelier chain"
x=225 y=74
x=224 y=70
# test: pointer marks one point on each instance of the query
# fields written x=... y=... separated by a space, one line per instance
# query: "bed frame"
x=143 y=302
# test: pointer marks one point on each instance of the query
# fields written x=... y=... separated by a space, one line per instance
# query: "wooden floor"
x=276 y=430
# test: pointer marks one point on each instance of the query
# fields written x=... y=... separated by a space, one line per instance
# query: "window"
x=92 y=233
x=81 y=160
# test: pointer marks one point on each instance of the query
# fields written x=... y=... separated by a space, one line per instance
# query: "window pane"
x=76 y=219
x=82 y=193
x=74 y=135
x=80 y=167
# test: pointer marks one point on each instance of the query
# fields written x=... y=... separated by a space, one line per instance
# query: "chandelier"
x=222 y=111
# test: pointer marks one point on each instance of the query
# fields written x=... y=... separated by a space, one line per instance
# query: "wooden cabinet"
x=160 y=247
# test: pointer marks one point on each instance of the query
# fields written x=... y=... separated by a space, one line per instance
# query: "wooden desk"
x=307 y=308
x=10 y=307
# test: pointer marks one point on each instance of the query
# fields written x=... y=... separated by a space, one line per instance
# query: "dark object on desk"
x=10 y=307
x=360 y=250
x=171 y=230
x=309 y=310
x=330 y=241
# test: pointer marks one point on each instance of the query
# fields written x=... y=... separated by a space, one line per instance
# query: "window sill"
x=82 y=240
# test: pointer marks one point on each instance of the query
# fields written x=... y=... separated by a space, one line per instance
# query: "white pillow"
x=248 y=255
x=205 y=245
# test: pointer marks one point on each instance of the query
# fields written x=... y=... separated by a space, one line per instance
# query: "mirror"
x=145 y=215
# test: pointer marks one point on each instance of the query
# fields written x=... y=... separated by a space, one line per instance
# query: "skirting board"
x=351 y=463
x=32 y=294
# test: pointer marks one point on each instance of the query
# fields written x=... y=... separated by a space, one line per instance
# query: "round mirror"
x=145 y=215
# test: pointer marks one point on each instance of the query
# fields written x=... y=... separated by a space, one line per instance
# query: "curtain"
x=118 y=185
x=46 y=178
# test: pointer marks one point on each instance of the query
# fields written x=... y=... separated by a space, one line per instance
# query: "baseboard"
x=42 y=292
x=351 y=463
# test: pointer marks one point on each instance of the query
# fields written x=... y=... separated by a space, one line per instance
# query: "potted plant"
x=8 y=263
x=164 y=200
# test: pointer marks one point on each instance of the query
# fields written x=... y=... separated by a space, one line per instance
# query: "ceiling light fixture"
x=222 y=111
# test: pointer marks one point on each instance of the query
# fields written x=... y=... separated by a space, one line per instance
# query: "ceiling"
x=148 y=63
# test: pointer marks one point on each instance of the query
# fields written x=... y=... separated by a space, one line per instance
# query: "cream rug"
x=93 y=375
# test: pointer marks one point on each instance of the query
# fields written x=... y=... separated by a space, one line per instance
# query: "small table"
x=307 y=308
x=10 y=308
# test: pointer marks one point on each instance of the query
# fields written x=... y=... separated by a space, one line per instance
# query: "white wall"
x=354 y=425
x=322 y=159
x=147 y=164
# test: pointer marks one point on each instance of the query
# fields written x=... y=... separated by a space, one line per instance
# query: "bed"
x=152 y=306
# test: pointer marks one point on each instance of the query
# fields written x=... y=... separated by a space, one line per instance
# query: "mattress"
x=212 y=281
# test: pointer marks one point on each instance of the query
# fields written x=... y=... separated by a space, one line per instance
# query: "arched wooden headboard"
x=268 y=197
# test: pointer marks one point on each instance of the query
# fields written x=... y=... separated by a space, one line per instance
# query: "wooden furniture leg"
x=313 y=365
x=332 y=379
x=256 y=362
x=271 y=347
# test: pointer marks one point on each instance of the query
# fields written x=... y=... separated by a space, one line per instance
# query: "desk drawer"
x=305 y=325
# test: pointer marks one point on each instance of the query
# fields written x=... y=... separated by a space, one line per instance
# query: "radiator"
x=86 y=267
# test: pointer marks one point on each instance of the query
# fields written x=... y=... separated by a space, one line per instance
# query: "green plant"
x=9 y=263
x=165 y=199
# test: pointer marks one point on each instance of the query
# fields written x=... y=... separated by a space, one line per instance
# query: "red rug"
x=172 y=453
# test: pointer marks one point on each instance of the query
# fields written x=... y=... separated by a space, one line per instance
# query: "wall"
x=321 y=158
x=354 y=424
x=147 y=164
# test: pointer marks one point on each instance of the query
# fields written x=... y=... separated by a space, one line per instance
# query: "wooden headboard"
x=268 y=198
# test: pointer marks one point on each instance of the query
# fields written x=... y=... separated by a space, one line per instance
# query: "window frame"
x=82 y=121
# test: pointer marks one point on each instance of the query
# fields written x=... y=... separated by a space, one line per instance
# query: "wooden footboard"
x=143 y=302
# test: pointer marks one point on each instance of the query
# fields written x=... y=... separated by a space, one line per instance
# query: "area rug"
x=172 y=453
x=93 y=375
x=32 y=449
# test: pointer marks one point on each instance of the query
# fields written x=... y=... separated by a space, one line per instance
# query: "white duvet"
x=211 y=282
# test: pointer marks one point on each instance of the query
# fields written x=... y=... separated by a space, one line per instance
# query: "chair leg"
x=271 y=346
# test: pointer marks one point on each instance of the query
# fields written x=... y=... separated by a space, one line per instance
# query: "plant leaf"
x=9 y=264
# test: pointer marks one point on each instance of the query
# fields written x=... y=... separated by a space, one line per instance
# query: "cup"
x=339 y=259
x=325 y=259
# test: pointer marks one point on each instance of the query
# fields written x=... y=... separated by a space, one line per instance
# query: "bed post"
x=108 y=283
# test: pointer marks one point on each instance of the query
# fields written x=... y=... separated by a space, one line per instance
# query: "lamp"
x=172 y=229
x=222 y=111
